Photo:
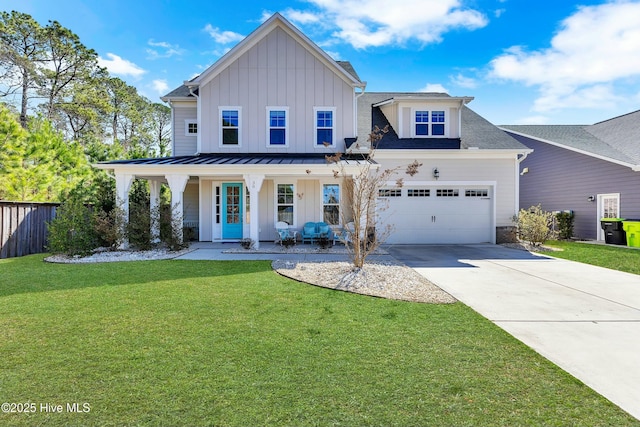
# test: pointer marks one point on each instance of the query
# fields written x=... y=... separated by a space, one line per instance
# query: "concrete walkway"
x=585 y=319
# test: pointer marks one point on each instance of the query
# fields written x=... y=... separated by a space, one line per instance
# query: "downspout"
x=199 y=135
x=355 y=107
x=519 y=160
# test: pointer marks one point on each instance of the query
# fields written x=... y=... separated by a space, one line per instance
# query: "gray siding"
x=276 y=72
x=560 y=179
x=184 y=145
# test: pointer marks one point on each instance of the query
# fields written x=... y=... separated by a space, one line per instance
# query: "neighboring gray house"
x=250 y=136
x=593 y=170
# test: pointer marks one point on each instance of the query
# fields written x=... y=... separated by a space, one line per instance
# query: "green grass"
x=616 y=258
x=233 y=343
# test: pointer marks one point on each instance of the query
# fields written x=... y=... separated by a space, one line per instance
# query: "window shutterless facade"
x=230 y=126
x=285 y=205
x=277 y=126
x=331 y=203
x=324 y=126
x=190 y=127
x=429 y=123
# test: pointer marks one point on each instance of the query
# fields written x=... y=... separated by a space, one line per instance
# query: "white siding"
x=277 y=71
x=501 y=171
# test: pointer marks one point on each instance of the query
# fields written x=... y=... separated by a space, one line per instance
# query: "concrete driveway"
x=585 y=319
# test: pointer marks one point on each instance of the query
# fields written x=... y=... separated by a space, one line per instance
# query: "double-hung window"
x=277 y=126
x=230 y=118
x=331 y=203
x=285 y=203
x=429 y=123
x=324 y=126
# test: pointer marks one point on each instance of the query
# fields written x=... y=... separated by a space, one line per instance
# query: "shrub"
x=534 y=225
x=138 y=229
x=172 y=232
x=565 y=224
x=109 y=227
x=247 y=243
x=324 y=242
x=288 y=242
x=71 y=232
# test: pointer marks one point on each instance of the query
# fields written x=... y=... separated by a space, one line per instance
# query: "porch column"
x=154 y=205
x=177 y=183
x=123 y=185
x=254 y=184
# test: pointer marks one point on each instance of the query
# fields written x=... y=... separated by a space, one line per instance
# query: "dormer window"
x=429 y=123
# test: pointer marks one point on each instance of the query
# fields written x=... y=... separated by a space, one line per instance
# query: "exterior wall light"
x=591 y=198
x=436 y=173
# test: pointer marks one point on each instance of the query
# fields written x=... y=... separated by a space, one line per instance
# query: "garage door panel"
x=430 y=220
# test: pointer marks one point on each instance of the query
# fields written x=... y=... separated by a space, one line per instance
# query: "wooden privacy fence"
x=23 y=227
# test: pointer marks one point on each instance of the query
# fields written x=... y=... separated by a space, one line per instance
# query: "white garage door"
x=438 y=215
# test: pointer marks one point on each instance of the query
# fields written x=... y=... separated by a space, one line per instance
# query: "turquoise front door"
x=232 y=210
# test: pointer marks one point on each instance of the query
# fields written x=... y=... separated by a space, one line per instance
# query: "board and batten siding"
x=183 y=145
x=276 y=72
x=501 y=171
x=560 y=179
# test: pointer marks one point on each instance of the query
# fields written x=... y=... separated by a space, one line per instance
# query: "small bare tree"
x=362 y=193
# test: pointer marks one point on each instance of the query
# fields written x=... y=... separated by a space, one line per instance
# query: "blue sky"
x=543 y=62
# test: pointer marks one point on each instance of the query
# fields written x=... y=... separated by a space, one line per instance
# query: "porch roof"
x=235 y=160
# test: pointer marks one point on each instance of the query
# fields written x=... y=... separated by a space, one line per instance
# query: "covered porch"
x=231 y=197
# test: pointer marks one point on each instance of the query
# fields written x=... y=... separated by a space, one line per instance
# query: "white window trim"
x=315 y=127
x=295 y=199
x=287 y=119
x=340 y=202
x=229 y=108
x=447 y=119
x=188 y=122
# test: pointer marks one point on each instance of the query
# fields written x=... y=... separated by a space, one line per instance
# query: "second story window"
x=191 y=127
x=277 y=126
x=422 y=123
x=324 y=126
x=437 y=123
x=229 y=126
x=429 y=123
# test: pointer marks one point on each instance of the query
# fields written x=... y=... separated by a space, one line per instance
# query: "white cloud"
x=120 y=66
x=434 y=87
x=302 y=17
x=166 y=50
x=465 y=82
x=160 y=86
x=595 y=48
x=223 y=37
x=374 y=23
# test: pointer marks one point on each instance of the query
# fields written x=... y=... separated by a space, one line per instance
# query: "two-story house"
x=250 y=136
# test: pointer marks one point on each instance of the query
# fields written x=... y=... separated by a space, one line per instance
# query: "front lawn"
x=232 y=343
x=616 y=258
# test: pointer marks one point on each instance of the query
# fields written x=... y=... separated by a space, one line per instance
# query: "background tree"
x=83 y=115
x=161 y=128
x=21 y=56
x=12 y=136
x=47 y=165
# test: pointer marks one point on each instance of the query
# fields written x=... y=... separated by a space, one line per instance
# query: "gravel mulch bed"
x=117 y=256
x=379 y=279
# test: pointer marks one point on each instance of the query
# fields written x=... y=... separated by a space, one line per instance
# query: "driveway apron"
x=583 y=318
